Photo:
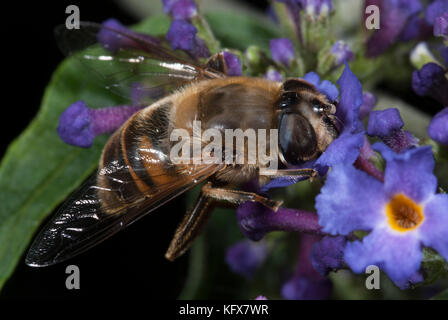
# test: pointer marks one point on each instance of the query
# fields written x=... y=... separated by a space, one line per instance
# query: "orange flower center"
x=403 y=213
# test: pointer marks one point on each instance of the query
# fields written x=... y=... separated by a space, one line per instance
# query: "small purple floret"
x=282 y=51
x=79 y=125
x=273 y=75
x=441 y=25
x=326 y=87
x=307 y=284
x=435 y=10
x=438 y=128
x=255 y=220
x=182 y=35
x=328 y=254
x=369 y=101
x=341 y=52
x=233 y=63
x=75 y=125
x=430 y=81
x=113 y=37
x=184 y=9
x=245 y=257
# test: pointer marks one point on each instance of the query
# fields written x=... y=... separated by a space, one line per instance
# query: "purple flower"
x=402 y=214
x=282 y=51
x=416 y=28
x=369 y=101
x=261 y=298
x=438 y=128
x=326 y=87
x=183 y=9
x=112 y=36
x=341 y=52
x=306 y=284
x=79 y=125
x=168 y=5
x=233 y=63
x=384 y=122
x=255 y=220
x=441 y=25
x=394 y=16
x=246 y=256
x=182 y=35
x=345 y=149
x=387 y=125
x=430 y=81
x=328 y=254
x=435 y=10
x=316 y=8
x=273 y=75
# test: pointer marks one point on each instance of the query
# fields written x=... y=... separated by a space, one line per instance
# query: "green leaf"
x=239 y=31
x=441 y=296
x=433 y=266
x=39 y=171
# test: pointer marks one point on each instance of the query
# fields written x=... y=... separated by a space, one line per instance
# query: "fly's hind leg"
x=195 y=220
x=190 y=227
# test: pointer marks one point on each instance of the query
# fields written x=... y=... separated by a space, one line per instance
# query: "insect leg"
x=190 y=227
x=238 y=196
x=293 y=173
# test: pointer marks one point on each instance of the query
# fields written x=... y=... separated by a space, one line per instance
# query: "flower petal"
x=435 y=9
x=245 y=257
x=340 y=212
x=350 y=101
x=430 y=81
x=282 y=51
x=307 y=288
x=234 y=66
x=441 y=25
x=345 y=149
x=184 y=9
x=434 y=230
x=75 y=125
x=369 y=101
x=328 y=254
x=399 y=255
x=410 y=172
x=326 y=87
x=394 y=17
x=341 y=52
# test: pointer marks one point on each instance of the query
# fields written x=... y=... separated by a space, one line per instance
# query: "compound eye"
x=297 y=138
x=289 y=99
x=319 y=107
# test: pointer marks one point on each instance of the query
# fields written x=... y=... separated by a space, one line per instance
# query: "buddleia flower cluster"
x=380 y=202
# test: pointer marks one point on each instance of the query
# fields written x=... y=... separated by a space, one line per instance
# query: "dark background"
x=130 y=264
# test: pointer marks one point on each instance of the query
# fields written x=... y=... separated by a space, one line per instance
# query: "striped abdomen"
x=135 y=161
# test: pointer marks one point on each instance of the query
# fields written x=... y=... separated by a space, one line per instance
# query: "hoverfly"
x=136 y=175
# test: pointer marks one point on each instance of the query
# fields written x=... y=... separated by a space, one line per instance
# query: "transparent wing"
x=131 y=65
x=82 y=221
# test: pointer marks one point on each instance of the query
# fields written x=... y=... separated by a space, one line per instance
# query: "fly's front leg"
x=236 y=196
x=310 y=174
